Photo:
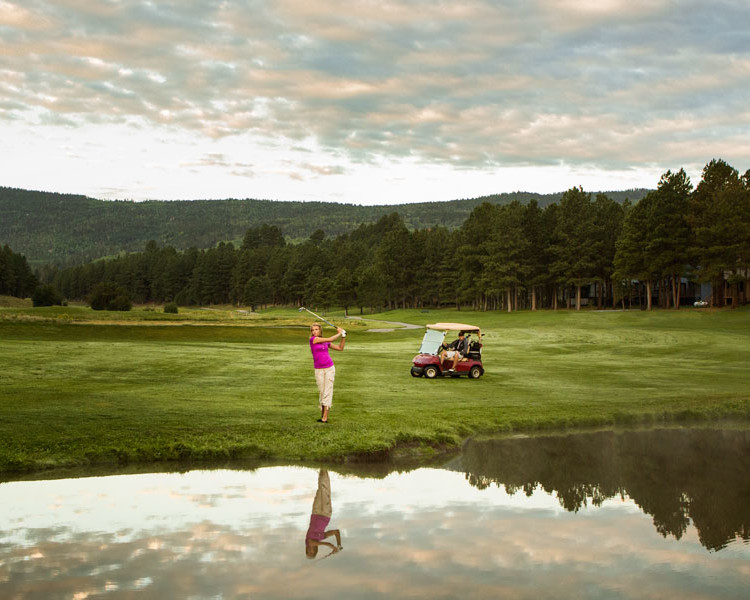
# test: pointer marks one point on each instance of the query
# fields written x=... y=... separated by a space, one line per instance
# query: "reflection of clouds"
x=451 y=541
x=537 y=553
x=158 y=501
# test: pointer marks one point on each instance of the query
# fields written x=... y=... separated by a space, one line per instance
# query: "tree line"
x=70 y=230
x=583 y=249
x=16 y=277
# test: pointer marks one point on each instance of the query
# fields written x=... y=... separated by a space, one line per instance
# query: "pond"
x=629 y=514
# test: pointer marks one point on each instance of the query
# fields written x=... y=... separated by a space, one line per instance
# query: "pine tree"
x=576 y=248
x=668 y=244
x=718 y=215
x=631 y=260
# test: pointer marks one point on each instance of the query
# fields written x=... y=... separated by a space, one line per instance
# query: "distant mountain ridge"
x=69 y=229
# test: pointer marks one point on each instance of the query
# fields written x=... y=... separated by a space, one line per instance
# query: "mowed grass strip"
x=79 y=393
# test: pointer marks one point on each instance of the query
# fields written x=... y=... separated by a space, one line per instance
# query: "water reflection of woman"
x=320 y=518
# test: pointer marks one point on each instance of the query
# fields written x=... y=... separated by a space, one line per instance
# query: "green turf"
x=84 y=388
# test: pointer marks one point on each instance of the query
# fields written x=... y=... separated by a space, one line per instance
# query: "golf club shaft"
x=318 y=316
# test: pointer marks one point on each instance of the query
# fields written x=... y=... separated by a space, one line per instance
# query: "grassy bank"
x=78 y=387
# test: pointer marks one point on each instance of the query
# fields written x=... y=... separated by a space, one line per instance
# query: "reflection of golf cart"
x=428 y=362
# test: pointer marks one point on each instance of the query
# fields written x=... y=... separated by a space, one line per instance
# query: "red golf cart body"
x=428 y=364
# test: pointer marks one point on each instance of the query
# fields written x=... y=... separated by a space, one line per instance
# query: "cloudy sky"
x=368 y=101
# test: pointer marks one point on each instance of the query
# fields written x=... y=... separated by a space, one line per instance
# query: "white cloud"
x=606 y=86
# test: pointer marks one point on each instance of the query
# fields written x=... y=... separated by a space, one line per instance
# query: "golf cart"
x=428 y=364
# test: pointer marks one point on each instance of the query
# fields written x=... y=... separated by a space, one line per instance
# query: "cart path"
x=400 y=324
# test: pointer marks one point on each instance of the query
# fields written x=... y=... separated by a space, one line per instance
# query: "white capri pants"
x=322 y=502
x=324 y=379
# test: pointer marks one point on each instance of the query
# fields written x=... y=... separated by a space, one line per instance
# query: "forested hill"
x=68 y=229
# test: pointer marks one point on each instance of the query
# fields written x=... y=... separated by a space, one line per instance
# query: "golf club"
x=301 y=308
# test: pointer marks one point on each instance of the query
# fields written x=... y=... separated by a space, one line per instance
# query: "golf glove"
x=343 y=333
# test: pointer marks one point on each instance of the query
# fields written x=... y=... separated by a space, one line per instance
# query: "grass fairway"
x=85 y=388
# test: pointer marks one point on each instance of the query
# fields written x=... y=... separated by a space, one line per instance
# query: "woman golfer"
x=320 y=518
x=323 y=363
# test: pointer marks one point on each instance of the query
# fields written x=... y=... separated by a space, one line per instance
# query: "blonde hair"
x=316 y=325
x=310 y=550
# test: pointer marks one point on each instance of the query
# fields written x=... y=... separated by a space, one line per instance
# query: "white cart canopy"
x=453 y=327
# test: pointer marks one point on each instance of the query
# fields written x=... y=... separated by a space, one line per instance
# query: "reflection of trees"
x=674 y=475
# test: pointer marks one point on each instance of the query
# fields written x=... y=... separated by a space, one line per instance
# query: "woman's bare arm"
x=335 y=532
x=322 y=340
x=339 y=334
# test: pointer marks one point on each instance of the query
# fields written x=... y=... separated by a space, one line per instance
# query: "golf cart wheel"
x=431 y=371
x=475 y=372
x=415 y=373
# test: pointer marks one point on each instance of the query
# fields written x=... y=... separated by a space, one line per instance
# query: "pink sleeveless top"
x=321 y=358
x=317 y=529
